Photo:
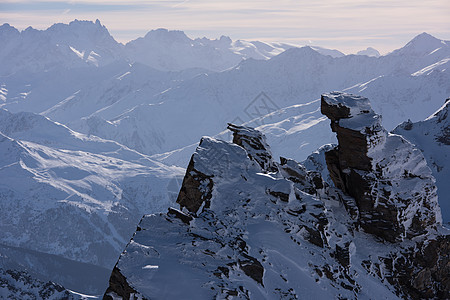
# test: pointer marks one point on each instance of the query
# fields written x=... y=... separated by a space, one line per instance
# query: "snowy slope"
x=67 y=194
x=412 y=96
x=432 y=136
x=117 y=93
x=73 y=275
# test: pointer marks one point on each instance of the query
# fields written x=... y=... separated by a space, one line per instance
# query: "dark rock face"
x=197 y=187
x=252 y=268
x=118 y=286
x=417 y=272
x=423 y=271
x=308 y=181
x=254 y=142
x=180 y=215
x=195 y=190
x=373 y=166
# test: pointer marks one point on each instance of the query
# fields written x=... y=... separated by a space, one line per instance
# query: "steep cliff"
x=389 y=178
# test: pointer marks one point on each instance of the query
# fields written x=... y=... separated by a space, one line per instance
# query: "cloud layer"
x=346 y=25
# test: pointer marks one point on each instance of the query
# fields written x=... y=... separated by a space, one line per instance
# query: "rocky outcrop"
x=442 y=118
x=254 y=142
x=389 y=179
x=251 y=228
x=21 y=285
x=233 y=209
x=119 y=287
x=422 y=271
x=196 y=188
x=307 y=180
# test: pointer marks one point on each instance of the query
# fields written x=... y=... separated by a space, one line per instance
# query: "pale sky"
x=345 y=25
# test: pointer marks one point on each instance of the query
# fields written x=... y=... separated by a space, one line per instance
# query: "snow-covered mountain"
x=138 y=108
x=16 y=285
x=432 y=136
x=77 y=44
x=75 y=196
x=86 y=43
x=172 y=50
x=399 y=89
x=74 y=275
x=369 y=51
x=249 y=227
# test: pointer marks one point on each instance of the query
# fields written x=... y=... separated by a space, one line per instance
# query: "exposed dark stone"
x=297 y=174
x=342 y=254
x=334 y=112
x=332 y=160
x=352 y=149
x=314 y=236
x=408 y=125
x=252 y=268
x=195 y=190
x=442 y=117
x=180 y=215
x=423 y=271
x=280 y=195
x=24 y=284
x=118 y=285
x=255 y=143
x=316 y=180
x=307 y=181
x=353 y=171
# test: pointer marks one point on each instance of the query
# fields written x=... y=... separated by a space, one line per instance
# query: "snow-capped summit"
x=77 y=44
x=423 y=44
x=165 y=36
x=331 y=52
x=369 y=51
x=90 y=40
x=7 y=32
x=172 y=50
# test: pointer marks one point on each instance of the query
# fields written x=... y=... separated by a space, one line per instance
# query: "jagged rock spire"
x=389 y=178
x=254 y=142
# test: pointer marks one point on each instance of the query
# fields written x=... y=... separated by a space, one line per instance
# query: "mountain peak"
x=422 y=39
x=7 y=31
x=369 y=51
x=422 y=44
x=80 y=27
x=165 y=35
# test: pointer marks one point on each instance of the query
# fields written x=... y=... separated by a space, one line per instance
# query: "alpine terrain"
x=363 y=221
x=95 y=134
